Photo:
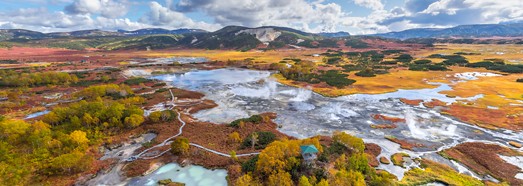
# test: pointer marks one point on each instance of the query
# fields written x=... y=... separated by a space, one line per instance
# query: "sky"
x=353 y=16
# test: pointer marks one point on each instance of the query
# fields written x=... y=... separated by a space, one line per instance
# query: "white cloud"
x=372 y=4
x=40 y=19
x=300 y=14
x=106 y=8
x=164 y=17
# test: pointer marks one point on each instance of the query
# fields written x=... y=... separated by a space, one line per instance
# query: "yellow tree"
x=350 y=178
x=180 y=146
x=246 y=180
x=155 y=116
x=235 y=137
x=79 y=138
x=304 y=181
x=281 y=178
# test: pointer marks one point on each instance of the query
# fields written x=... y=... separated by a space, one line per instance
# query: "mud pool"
x=302 y=113
x=190 y=175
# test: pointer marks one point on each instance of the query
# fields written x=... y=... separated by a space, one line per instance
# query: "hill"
x=463 y=31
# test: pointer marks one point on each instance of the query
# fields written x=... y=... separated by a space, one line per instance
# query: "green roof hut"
x=308 y=152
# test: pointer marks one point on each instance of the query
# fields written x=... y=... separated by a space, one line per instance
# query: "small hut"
x=308 y=152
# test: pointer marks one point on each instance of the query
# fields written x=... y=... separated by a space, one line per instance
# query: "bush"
x=456 y=61
x=436 y=67
x=334 y=78
x=422 y=61
x=180 y=146
x=404 y=58
x=507 y=68
x=253 y=119
x=264 y=138
x=356 y=43
x=484 y=64
x=366 y=73
x=250 y=165
x=136 y=81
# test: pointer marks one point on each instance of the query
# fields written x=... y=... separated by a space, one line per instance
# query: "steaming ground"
x=302 y=113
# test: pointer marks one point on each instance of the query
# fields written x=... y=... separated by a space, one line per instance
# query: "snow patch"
x=265 y=35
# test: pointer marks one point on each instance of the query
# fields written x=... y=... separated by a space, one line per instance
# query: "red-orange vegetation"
x=388 y=118
x=372 y=151
x=484 y=159
x=383 y=126
x=404 y=144
x=434 y=103
x=509 y=117
x=414 y=102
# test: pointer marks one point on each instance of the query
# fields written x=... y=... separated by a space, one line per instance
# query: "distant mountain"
x=6 y=34
x=83 y=33
x=9 y=34
x=463 y=31
x=334 y=34
x=244 y=38
x=156 y=31
x=230 y=37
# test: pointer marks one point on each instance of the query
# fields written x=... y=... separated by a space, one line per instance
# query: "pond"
x=190 y=175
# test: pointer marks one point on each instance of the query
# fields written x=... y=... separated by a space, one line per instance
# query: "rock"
x=384 y=160
x=515 y=144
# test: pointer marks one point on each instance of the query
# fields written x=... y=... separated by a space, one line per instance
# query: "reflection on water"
x=302 y=113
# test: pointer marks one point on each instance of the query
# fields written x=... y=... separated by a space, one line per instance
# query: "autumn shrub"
x=255 y=119
x=180 y=146
x=263 y=139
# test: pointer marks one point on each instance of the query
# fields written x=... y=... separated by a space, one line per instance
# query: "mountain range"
x=463 y=31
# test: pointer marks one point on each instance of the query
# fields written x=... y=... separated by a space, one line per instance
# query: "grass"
x=270 y=56
x=435 y=172
x=397 y=159
x=510 y=52
x=393 y=81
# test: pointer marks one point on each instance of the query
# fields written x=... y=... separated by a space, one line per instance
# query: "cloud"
x=418 y=5
x=165 y=17
x=41 y=19
x=300 y=14
x=372 y=4
x=106 y=8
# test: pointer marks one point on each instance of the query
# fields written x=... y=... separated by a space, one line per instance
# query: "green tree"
x=358 y=162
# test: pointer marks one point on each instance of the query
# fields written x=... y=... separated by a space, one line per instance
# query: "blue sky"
x=354 y=16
